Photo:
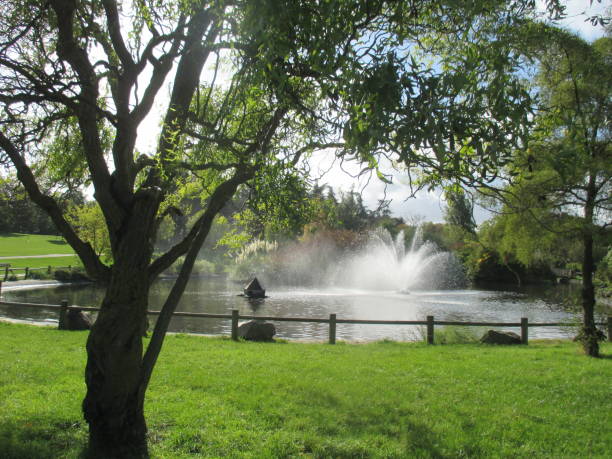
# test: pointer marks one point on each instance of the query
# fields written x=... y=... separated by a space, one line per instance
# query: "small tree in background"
x=88 y=221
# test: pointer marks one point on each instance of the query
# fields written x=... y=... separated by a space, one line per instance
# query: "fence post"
x=235 y=317
x=27 y=271
x=1 y=295
x=524 y=330
x=610 y=328
x=430 y=329
x=332 y=329
x=6 y=271
x=61 y=325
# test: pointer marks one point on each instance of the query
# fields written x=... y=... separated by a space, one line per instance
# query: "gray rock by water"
x=77 y=320
x=500 y=337
x=257 y=330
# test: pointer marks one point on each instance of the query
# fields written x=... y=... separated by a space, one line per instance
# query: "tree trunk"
x=588 y=334
x=114 y=405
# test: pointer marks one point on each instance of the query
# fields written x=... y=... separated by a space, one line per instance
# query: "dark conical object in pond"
x=254 y=289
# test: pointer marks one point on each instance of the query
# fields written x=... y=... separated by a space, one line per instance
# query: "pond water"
x=218 y=295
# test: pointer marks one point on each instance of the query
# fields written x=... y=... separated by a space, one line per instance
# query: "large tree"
x=254 y=86
x=560 y=180
x=567 y=167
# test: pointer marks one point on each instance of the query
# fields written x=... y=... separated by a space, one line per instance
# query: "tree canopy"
x=560 y=181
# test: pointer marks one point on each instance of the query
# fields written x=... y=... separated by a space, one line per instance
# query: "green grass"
x=14 y=244
x=54 y=262
x=216 y=398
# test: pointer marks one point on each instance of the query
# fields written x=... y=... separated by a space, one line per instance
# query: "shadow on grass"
x=12 y=235
x=57 y=241
x=421 y=441
x=42 y=438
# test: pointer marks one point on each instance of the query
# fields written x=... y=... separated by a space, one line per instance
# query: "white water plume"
x=385 y=264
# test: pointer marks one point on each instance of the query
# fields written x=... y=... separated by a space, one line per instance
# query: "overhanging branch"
x=94 y=267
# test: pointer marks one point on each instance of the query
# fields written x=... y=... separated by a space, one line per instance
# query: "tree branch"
x=114 y=29
x=94 y=267
x=222 y=194
x=69 y=50
x=185 y=83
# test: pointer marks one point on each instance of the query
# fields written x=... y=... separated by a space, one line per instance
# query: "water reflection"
x=556 y=304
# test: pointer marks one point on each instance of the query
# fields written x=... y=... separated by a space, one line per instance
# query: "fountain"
x=322 y=278
x=385 y=264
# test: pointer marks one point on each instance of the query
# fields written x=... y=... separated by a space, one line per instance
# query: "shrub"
x=455 y=335
x=38 y=275
x=200 y=267
x=70 y=276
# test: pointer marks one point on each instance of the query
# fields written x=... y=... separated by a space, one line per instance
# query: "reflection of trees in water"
x=563 y=297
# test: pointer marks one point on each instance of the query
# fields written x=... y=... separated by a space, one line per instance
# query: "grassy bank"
x=216 y=398
x=44 y=262
x=15 y=244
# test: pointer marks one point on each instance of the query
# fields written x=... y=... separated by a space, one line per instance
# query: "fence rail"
x=235 y=317
x=8 y=271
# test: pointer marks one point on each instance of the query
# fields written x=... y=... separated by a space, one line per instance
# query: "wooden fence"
x=25 y=273
x=333 y=320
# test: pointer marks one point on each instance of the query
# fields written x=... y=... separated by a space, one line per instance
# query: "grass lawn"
x=14 y=244
x=211 y=397
x=71 y=260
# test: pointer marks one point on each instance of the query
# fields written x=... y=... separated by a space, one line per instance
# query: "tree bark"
x=114 y=403
x=588 y=334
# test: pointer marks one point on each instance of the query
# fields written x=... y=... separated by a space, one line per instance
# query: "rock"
x=500 y=337
x=257 y=330
x=78 y=320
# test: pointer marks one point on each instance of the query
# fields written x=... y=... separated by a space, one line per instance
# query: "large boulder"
x=257 y=330
x=500 y=337
x=78 y=320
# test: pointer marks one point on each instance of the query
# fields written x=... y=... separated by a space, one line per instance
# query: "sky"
x=427 y=205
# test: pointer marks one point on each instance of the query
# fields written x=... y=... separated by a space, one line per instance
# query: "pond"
x=218 y=295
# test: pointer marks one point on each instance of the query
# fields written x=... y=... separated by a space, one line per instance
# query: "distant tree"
x=88 y=221
x=568 y=166
x=18 y=214
x=562 y=161
x=352 y=214
x=459 y=210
